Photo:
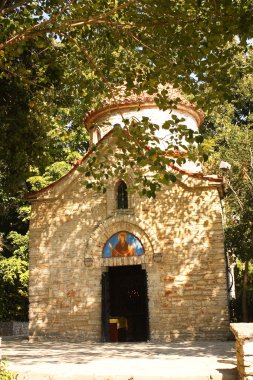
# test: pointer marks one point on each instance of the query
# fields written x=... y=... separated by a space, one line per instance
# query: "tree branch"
x=2 y=5
x=251 y=157
x=4 y=10
x=145 y=45
x=91 y=61
x=86 y=53
x=235 y=194
x=34 y=83
x=29 y=33
x=76 y=23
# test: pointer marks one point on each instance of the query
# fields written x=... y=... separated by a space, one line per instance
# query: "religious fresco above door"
x=123 y=244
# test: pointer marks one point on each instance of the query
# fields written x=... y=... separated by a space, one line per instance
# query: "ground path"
x=121 y=361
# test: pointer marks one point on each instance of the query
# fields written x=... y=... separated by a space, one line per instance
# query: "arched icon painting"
x=123 y=244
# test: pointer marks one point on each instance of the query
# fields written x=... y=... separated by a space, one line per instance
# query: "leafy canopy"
x=230 y=130
x=59 y=59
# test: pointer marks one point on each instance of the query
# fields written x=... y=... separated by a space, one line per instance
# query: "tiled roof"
x=121 y=99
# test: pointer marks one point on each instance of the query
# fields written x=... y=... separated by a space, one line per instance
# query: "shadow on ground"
x=80 y=353
x=121 y=361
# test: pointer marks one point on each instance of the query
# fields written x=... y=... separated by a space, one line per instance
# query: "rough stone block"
x=186 y=290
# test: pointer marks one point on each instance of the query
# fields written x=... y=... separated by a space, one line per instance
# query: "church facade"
x=121 y=267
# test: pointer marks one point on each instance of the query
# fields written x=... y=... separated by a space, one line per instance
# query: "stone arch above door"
x=110 y=226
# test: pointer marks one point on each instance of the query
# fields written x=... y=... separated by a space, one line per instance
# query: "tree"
x=14 y=278
x=137 y=42
x=239 y=230
x=231 y=140
x=36 y=128
x=59 y=59
x=14 y=249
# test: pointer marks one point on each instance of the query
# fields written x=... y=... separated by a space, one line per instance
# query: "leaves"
x=60 y=59
x=141 y=147
x=138 y=43
x=231 y=140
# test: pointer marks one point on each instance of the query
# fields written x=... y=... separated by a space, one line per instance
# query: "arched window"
x=122 y=196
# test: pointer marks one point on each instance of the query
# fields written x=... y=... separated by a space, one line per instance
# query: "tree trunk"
x=245 y=315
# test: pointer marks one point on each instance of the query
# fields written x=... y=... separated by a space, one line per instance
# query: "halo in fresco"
x=123 y=244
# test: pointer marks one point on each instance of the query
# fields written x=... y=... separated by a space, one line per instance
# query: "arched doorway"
x=125 y=304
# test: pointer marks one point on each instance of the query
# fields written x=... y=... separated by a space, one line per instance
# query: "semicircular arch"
x=112 y=225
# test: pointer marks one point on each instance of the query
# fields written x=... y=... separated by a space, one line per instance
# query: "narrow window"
x=96 y=136
x=122 y=196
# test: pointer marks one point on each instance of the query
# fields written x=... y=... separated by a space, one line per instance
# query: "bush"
x=4 y=373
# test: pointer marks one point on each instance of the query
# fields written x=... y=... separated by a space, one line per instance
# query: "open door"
x=125 y=304
x=105 y=307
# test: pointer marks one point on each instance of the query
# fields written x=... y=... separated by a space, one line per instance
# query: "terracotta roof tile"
x=121 y=98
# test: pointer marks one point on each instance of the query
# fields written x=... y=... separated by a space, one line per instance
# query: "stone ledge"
x=242 y=330
x=244 y=349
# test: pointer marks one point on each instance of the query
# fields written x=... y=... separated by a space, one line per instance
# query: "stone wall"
x=181 y=231
x=13 y=328
x=244 y=349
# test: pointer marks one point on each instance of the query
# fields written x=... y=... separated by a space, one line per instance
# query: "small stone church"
x=117 y=266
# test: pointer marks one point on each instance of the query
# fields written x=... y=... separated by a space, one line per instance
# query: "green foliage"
x=5 y=374
x=14 y=270
x=239 y=279
x=14 y=278
x=37 y=182
x=24 y=212
x=56 y=171
x=60 y=59
x=19 y=244
x=138 y=147
x=230 y=139
x=239 y=231
x=52 y=173
x=14 y=253
x=240 y=266
x=37 y=127
x=20 y=131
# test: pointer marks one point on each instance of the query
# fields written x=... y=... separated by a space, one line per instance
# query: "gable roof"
x=74 y=170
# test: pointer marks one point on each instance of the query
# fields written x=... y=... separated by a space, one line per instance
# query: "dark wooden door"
x=105 y=307
x=128 y=299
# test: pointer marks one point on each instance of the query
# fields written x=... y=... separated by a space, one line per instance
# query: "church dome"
x=121 y=100
x=122 y=105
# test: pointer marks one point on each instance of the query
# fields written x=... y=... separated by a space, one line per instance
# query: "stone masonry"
x=244 y=349
x=182 y=235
